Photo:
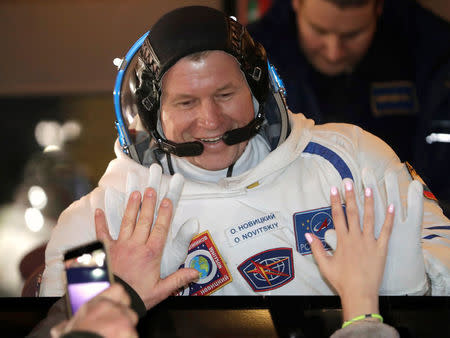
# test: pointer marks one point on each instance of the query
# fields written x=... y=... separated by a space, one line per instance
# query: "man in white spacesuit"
x=257 y=177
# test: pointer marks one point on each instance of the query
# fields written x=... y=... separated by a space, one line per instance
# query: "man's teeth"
x=211 y=140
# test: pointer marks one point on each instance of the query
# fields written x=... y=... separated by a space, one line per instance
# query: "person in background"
x=382 y=65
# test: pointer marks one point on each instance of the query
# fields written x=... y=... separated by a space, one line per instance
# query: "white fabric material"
x=285 y=182
x=408 y=227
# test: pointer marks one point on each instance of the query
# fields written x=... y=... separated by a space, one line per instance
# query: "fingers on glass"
x=340 y=222
x=319 y=253
x=130 y=214
x=351 y=206
x=369 y=213
x=386 y=230
x=146 y=214
x=161 y=227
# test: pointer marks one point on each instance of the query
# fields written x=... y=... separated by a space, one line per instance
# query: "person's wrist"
x=354 y=305
x=137 y=303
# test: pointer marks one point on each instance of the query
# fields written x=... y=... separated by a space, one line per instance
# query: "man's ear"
x=296 y=4
x=378 y=7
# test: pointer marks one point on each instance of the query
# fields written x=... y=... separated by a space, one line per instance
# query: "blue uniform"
x=409 y=59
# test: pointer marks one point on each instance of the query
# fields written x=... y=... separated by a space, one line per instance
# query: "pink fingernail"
x=334 y=191
x=165 y=203
x=308 y=237
x=135 y=195
x=391 y=208
x=368 y=192
x=348 y=186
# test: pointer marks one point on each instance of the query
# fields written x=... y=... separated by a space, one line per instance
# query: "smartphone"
x=87 y=274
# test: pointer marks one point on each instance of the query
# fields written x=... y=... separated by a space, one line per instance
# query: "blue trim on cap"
x=330 y=156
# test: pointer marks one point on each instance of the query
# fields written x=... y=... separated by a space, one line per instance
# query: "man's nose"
x=210 y=116
x=334 y=48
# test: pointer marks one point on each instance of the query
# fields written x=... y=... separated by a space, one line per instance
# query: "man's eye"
x=319 y=31
x=225 y=95
x=185 y=103
x=350 y=35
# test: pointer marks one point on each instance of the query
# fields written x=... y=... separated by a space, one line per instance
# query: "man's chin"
x=212 y=164
x=333 y=71
x=213 y=167
x=330 y=69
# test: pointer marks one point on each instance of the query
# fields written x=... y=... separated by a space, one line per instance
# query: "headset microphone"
x=239 y=135
x=180 y=149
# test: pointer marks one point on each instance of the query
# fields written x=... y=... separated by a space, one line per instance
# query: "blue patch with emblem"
x=317 y=222
x=268 y=270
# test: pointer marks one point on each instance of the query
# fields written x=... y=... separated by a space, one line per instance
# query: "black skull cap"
x=185 y=31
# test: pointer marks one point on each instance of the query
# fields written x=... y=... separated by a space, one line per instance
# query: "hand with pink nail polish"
x=356 y=268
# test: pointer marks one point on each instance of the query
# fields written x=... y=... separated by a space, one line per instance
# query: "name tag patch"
x=251 y=229
x=393 y=98
x=317 y=222
x=268 y=270
x=206 y=259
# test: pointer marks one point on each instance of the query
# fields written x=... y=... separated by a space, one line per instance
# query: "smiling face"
x=201 y=100
x=335 y=39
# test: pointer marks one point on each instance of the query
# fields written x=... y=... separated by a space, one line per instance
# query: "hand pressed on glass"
x=136 y=254
x=356 y=268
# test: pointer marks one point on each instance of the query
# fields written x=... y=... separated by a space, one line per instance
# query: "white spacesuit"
x=243 y=227
x=252 y=226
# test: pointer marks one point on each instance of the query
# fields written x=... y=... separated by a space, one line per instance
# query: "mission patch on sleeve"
x=205 y=258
